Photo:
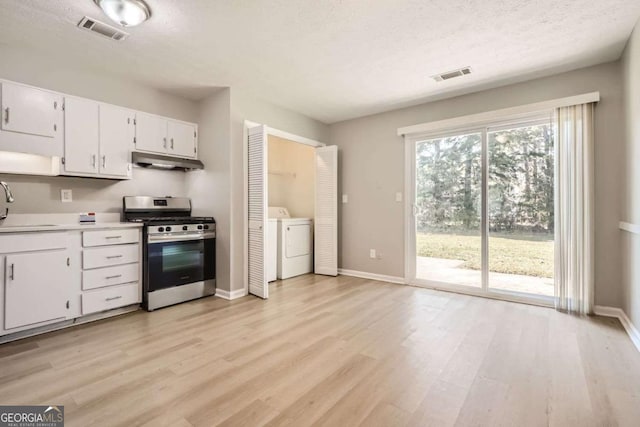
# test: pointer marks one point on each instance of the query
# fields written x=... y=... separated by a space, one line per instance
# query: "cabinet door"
x=182 y=139
x=116 y=140
x=151 y=133
x=81 y=135
x=29 y=110
x=37 y=288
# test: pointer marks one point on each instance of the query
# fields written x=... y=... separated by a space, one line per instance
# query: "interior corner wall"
x=630 y=247
x=210 y=188
x=291 y=176
x=245 y=107
x=41 y=194
x=371 y=170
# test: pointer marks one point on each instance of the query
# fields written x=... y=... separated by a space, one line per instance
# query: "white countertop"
x=20 y=223
x=64 y=227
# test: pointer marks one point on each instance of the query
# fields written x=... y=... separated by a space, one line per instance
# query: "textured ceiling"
x=333 y=59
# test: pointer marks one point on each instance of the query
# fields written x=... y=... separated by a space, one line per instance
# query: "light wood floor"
x=333 y=352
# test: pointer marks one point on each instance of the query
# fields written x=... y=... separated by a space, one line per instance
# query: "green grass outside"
x=511 y=253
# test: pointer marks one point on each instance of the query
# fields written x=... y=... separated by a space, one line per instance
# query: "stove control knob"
x=206 y=227
x=199 y=227
x=168 y=228
x=185 y=228
x=161 y=229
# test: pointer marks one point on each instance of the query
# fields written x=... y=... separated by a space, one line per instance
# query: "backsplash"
x=41 y=194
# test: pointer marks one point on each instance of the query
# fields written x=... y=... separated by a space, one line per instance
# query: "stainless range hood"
x=158 y=161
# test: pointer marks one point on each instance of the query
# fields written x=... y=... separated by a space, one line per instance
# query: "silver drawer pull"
x=113 y=277
x=113 y=237
x=12 y=275
x=114 y=256
x=6 y=115
x=113 y=298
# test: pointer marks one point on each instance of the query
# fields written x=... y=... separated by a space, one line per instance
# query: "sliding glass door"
x=521 y=214
x=448 y=209
x=482 y=218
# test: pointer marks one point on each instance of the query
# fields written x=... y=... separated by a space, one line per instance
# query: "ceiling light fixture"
x=127 y=13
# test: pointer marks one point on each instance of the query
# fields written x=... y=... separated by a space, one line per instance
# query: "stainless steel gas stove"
x=179 y=250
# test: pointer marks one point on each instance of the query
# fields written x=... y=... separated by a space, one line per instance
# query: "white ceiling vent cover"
x=452 y=74
x=102 y=29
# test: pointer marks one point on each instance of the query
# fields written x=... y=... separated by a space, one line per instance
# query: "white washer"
x=295 y=244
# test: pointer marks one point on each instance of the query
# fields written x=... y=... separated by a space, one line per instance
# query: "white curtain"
x=574 y=250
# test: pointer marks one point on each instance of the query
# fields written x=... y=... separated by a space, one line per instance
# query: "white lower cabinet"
x=110 y=298
x=51 y=277
x=36 y=287
x=110 y=255
x=110 y=269
x=110 y=276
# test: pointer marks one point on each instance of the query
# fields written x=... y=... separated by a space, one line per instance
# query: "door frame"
x=245 y=170
x=410 y=142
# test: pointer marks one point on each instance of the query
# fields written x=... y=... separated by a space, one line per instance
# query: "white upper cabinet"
x=81 y=136
x=157 y=134
x=98 y=139
x=85 y=137
x=32 y=120
x=151 y=133
x=182 y=139
x=116 y=140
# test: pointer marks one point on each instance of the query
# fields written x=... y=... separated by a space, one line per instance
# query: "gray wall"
x=210 y=188
x=631 y=212
x=372 y=170
x=245 y=107
x=42 y=194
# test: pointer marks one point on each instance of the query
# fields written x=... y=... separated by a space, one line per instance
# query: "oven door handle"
x=180 y=237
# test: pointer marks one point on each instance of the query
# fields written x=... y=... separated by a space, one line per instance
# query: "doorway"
x=482 y=220
x=260 y=177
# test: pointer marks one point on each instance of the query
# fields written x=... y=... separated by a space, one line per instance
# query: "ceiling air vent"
x=452 y=74
x=102 y=29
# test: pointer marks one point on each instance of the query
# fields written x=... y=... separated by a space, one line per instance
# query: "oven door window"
x=178 y=263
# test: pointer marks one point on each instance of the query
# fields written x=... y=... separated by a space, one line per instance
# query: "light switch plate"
x=345 y=198
x=66 y=196
x=398 y=196
x=372 y=253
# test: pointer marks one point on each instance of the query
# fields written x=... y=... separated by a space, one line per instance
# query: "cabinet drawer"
x=31 y=242
x=109 y=276
x=111 y=297
x=110 y=255
x=110 y=237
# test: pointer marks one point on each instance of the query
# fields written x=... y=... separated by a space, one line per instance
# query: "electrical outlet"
x=372 y=253
x=66 y=196
x=379 y=255
x=398 y=196
x=345 y=198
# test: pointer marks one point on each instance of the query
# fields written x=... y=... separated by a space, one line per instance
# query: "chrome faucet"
x=10 y=199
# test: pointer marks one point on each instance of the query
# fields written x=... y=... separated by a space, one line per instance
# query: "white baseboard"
x=372 y=276
x=238 y=293
x=633 y=333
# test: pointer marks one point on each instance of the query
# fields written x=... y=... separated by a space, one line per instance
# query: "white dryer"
x=295 y=243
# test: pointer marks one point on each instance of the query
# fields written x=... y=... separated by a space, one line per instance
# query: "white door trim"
x=293 y=137
x=245 y=171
